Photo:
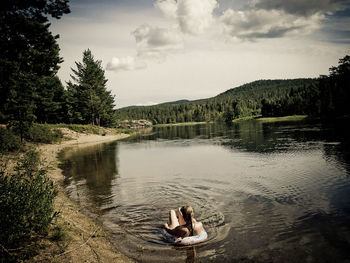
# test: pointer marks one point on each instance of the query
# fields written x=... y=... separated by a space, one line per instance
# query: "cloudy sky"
x=156 y=51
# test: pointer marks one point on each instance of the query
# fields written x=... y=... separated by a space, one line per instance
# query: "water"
x=265 y=192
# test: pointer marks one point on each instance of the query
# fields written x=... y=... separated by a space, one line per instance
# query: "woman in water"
x=184 y=224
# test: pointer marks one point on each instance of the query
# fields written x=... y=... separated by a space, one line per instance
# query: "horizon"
x=162 y=51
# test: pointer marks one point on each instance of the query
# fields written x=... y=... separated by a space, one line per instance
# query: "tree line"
x=328 y=97
x=244 y=101
x=29 y=86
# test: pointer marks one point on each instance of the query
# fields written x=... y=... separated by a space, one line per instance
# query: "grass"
x=60 y=237
x=126 y=131
x=284 y=118
x=255 y=117
x=180 y=124
x=246 y=118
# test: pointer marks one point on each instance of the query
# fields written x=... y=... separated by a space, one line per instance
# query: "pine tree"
x=88 y=98
x=50 y=100
x=29 y=54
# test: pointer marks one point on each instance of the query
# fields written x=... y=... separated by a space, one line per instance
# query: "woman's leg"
x=180 y=217
x=173 y=221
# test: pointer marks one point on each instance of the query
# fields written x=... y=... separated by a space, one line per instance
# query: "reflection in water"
x=191 y=255
x=266 y=192
x=90 y=171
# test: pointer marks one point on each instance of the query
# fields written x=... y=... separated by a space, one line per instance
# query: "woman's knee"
x=172 y=213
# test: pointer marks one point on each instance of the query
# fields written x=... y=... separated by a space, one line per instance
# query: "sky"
x=156 y=51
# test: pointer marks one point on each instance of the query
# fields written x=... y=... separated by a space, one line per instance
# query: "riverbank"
x=74 y=237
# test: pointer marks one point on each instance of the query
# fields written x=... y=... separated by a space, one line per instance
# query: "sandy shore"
x=85 y=240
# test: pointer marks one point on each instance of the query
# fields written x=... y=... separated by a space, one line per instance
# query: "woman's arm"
x=197 y=229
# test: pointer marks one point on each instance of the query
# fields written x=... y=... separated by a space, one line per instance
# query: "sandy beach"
x=86 y=240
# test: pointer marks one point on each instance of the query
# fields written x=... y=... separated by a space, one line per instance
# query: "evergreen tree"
x=334 y=89
x=89 y=100
x=50 y=100
x=29 y=54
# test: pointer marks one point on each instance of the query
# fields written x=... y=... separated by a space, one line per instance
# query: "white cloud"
x=156 y=42
x=168 y=7
x=193 y=16
x=260 y=23
x=124 y=64
x=148 y=103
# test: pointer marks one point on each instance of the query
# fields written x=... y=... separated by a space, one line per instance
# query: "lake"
x=264 y=191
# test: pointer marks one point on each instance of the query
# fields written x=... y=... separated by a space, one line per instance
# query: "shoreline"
x=84 y=240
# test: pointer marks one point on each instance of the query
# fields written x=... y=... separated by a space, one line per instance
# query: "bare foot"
x=166 y=226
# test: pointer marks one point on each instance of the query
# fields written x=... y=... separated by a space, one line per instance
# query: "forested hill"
x=242 y=101
x=258 y=88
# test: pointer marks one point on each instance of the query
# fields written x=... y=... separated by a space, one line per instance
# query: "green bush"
x=26 y=200
x=8 y=140
x=43 y=133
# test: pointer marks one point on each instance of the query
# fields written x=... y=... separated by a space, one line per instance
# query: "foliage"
x=243 y=101
x=27 y=196
x=29 y=59
x=301 y=101
x=89 y=102
x=334 y=90
x=44 y=134
x=328 y=97
x=50 y=101
x=8 y=140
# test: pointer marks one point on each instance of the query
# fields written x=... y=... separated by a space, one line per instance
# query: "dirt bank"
x=81 y=239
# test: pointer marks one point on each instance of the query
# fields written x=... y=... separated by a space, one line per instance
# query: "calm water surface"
x=265 y=192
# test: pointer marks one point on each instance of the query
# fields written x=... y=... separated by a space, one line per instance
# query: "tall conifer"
x=89 y=99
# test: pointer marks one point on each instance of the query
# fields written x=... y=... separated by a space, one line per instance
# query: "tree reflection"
x=96 y=166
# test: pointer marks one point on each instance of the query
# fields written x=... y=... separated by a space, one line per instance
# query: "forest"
x=325 y=96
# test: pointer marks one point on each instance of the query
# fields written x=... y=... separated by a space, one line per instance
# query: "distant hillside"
x=259 y=87
x=245 y=100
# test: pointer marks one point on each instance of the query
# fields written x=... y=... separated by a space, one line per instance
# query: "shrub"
x=43 y=133
x=26 y=200
x=8 y=140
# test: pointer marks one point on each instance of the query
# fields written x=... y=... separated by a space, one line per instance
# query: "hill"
x=242 y=101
